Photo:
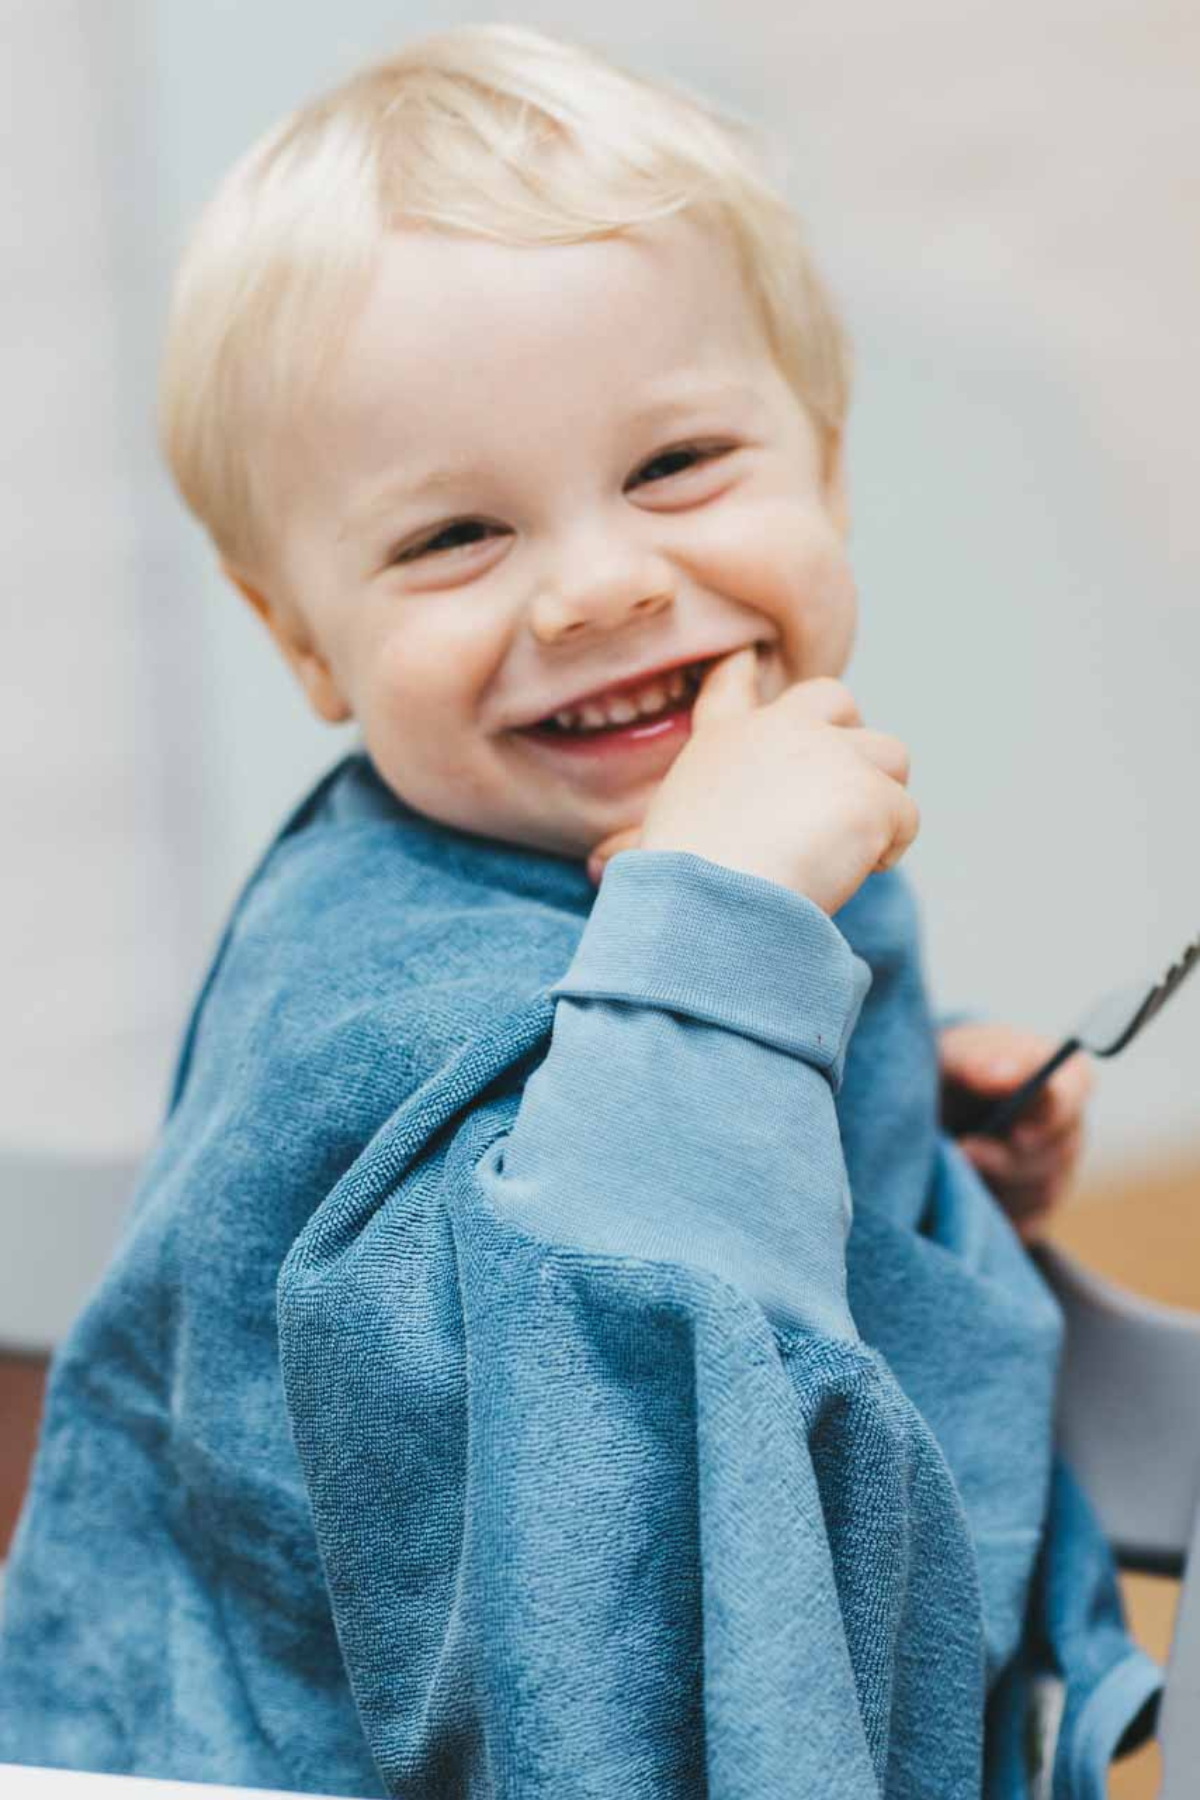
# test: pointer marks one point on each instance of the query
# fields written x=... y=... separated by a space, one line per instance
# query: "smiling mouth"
x=663 y=698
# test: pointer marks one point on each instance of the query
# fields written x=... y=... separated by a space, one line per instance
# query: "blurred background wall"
x=1005 y=201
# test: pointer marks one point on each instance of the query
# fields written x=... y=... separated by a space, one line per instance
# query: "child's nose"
x=602 y=603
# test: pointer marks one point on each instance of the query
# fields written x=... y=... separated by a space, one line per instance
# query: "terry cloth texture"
x=413 y=1445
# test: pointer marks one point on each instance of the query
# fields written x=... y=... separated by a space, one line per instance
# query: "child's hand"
x=629 y=839
x=797 y=791
x=1031 y=1167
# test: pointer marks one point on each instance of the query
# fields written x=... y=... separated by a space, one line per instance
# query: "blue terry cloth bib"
x=349 y=1484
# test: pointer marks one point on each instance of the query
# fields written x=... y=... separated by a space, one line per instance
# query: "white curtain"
x=90 y=905
x=95 y=918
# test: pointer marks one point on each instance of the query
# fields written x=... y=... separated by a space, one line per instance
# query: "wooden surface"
x=1141 y=1229
x=21 y=1383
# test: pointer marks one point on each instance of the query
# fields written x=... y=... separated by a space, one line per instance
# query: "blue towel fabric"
x=553 y=1350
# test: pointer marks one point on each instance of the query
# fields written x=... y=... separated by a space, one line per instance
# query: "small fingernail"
x=1004 y=1070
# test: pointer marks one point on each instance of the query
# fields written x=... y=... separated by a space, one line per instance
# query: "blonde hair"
x=496 y=131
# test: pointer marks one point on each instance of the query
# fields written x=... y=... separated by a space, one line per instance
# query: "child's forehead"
x=471 y=351
x=440 y=309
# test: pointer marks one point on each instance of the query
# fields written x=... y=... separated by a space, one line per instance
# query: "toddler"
x=556 y=1348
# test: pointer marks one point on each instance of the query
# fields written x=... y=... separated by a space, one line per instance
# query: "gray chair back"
x=1129 y=1425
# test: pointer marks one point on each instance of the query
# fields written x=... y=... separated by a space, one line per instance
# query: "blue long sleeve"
x=685 y=1109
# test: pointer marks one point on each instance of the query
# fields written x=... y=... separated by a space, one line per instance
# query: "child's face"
x=566 y=543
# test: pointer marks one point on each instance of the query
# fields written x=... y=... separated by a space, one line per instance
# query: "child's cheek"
x=397 y=703
x=788 y=563
x=409 y=678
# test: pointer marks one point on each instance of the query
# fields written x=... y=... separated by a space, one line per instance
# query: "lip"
x=626 y=682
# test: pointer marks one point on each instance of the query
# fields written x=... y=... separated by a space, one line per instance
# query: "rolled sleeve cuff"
x=674 y=930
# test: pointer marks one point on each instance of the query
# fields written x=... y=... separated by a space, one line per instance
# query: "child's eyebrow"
x=677 y=398
x=692 y=396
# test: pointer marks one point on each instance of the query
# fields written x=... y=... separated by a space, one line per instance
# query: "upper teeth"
x=634 y=703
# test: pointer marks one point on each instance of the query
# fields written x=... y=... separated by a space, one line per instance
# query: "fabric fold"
x=782 y=1519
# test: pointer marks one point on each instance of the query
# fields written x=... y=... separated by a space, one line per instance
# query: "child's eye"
x=683 y=457
x=442 y=540
x=450 y=537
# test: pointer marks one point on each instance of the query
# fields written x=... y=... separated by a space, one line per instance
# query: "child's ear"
x=837 y=491
x=305 y=660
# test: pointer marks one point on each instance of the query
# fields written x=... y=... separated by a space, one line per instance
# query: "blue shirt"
x=555 y=1350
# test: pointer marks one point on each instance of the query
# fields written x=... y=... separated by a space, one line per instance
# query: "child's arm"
x=1028 y=1171
x=685 y=1110
x=586 y=1513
